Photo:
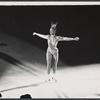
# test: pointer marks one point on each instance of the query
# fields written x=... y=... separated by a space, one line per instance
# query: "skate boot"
x=54 y=79
x=48 y=80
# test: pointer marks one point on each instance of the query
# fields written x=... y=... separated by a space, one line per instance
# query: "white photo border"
x=47 y=3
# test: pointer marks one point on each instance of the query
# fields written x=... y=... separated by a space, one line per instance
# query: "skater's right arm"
x=41 y=35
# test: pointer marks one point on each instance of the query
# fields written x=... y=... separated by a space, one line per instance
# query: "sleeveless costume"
x=52 y=45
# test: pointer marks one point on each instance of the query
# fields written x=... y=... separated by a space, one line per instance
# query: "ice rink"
x=23 y=56
x=78 y=82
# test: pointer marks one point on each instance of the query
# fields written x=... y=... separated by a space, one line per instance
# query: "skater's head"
x=53 y=28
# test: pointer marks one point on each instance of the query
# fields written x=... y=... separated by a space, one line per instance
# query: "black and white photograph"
x=50 y=51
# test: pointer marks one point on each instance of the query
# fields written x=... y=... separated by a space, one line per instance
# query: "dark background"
x=81 y=21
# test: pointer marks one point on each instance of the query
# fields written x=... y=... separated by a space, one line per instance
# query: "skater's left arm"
x=67 y=38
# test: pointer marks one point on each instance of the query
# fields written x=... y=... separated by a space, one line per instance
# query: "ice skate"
x=54 y=79
x=48 y=80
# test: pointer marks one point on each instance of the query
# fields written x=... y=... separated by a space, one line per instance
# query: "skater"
x=52 y=50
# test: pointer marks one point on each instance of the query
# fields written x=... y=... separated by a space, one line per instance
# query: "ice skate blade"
x=48 y=80
x=54 y=80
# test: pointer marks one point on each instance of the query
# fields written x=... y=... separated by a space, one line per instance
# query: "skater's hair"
x=53 y=25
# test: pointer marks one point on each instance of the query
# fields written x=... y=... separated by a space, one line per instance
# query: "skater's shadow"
x=26 y=86
x=9 y=59
x=98 y=94
x=17 y=63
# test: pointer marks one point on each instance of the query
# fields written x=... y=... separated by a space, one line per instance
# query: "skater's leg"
x=56 y=57
x=48 y=59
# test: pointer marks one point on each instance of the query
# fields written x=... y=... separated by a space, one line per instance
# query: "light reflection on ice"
x=76 y=82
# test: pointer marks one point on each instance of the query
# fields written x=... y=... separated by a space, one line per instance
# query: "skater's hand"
x=34 y=33
x=77 y=38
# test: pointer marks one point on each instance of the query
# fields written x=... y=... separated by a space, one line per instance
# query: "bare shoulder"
x=58 y=37
x=48 y=36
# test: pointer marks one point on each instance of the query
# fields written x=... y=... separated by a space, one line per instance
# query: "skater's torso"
x=52 y=44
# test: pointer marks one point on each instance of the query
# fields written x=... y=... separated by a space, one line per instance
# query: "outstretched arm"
x=41 y=35
x=67 y=38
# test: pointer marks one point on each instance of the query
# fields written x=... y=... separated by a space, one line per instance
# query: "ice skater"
x=52 y=50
